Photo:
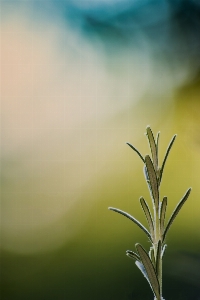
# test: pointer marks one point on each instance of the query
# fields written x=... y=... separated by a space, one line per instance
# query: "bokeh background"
x=79 y=78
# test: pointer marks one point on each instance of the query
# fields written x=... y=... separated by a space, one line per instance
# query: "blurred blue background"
x=78 y=80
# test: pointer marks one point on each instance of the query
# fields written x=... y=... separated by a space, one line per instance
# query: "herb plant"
x=150 y=264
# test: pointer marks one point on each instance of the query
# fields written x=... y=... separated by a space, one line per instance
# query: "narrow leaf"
x=152 y=146
x=158 y=169
x=153 y=180
x=158 y=256
x=176 y=211
x=162 y=214
x=132 y=147
x=150 y=270
x=146 y=176
x=142 y=269
x=147 y=212
x=132 y=219
x=132 y=254
x=157 y=140
x=163 y=250
x=166 y=155
x=152 y=257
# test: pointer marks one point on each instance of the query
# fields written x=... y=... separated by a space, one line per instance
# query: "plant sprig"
x=151 y=264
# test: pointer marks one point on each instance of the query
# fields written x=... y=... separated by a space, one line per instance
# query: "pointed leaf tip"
x=176 y=211
x=166 y=155
x=133 y=148
x=132 y=255
x=125 y=214
x=153 y=146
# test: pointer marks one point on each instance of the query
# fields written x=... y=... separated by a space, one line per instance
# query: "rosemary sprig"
x=151 y=264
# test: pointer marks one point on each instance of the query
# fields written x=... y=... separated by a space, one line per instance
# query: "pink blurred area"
x=67 y=108
x=59 y=106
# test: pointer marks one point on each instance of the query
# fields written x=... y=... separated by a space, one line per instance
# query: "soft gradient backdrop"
x=79 y=78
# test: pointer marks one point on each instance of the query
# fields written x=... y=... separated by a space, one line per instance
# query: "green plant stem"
x=157 y=239
x=160 y=275
x=158 y=228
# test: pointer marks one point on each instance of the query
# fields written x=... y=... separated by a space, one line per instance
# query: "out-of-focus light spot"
x=61 y=92
x=55 y=100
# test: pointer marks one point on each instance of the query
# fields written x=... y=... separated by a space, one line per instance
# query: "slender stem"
x=156 y=241
x=160 y=275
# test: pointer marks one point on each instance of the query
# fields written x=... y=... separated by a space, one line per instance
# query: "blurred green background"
x=79 y=79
